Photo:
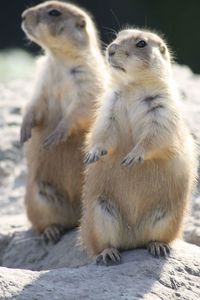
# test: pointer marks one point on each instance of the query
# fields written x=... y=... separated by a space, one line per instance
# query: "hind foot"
x=109 y=256
x=53 y=233
x=158 y=249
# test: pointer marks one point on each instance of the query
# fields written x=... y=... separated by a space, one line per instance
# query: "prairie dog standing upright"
x=136 y=194
x=70 y=79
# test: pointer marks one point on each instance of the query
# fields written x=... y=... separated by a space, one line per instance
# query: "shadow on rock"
x=140 y=276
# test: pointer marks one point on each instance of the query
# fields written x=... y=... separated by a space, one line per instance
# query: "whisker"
x=110 y=30
x=116 y=19
x=103 y=43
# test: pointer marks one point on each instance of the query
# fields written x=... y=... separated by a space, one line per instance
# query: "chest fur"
x=68 y=86
x=135 y=111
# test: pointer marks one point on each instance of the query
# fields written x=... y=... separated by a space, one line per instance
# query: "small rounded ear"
x=162 y=49
x=81 y=23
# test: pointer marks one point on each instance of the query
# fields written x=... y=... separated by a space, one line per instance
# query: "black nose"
x=112 y=49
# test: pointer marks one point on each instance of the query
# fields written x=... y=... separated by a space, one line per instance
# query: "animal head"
x=59 y=25
x=136 y=51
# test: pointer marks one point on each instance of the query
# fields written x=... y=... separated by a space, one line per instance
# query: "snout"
x=29 y=21
x=112 y=49
x=26 y=14
x=29 y=16
x=115 y=56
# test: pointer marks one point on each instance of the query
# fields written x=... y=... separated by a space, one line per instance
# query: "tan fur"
x=139 y=191
x=69 y=81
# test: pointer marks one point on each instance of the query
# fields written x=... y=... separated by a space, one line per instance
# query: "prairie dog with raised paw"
x=69 y=81
x=142 y=159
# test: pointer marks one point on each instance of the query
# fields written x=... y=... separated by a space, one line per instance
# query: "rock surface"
x=192 y=227
x=139 y=277
x=25 y=250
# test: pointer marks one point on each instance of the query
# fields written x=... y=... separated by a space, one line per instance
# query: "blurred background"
x=178 y=20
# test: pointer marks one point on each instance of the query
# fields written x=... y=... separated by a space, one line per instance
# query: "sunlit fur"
x=70 y=79
x=139 y=120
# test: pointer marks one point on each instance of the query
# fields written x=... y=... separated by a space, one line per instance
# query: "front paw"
x=25 y=132
x=57 y=136
x=94 y=155
x=133 y=158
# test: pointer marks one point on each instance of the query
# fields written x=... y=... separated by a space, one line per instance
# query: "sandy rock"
x=14 y=96
x=192 y=227
x=140 y=276
x=188 y=84
x=22 y=248
x=26 y=250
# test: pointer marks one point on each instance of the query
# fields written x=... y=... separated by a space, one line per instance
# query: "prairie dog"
x=69 y=80
x=137 y=192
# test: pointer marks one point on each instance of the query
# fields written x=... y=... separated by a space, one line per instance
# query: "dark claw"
x=165 y=250
x=91 y=158
x=46 y=239
x=168 y=249
x=117 y=258
x=96 y=157
x=124 y=162
x=86 y=158
x=104 y=152
x=158 y=249
x=108 y=257
x=103 y=261
x=50 y=140
x=99 y=259
x=53 y=233
x=54 y=138
x=108 y=260
x=49 y=237
x=25 y=133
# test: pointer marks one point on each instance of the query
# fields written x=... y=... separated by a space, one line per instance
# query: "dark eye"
x=54 y=13
x=141 y=44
